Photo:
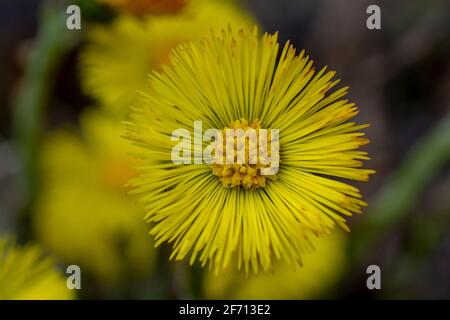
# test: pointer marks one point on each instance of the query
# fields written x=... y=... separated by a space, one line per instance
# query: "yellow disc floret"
x=248 y=174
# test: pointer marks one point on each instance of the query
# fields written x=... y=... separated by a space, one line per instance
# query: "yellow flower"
x=232 y=80
x=320 y=272
x=84 y=214
x=118 y=58
x=143 y=7
x=26 y=274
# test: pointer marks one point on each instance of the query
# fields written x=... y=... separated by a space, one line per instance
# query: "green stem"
x=54 y=40
x=421 y=165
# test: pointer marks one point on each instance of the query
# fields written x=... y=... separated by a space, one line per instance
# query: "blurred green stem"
x=421 y=165
x=53 y=41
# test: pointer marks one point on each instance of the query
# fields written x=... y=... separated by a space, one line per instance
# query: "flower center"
x=247 y=173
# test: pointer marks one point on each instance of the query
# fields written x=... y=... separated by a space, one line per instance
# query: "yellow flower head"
x=118 y=58
x=143 y=7
x=236 y=79
x=84 y=214
x=26 y=274
x=322 y=269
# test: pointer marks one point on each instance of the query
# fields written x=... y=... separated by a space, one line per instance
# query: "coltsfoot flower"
x=27 y=274
x=322 y=270
x=235 y=77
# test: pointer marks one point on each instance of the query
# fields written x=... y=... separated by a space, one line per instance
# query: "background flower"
x=27 y=274
x=320 y=271
x=119 y=57
x=84 y=214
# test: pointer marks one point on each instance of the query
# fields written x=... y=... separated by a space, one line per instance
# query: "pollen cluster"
x=248 y=174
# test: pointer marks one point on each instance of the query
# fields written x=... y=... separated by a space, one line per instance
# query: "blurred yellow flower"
x=321 y=270
x=84 y=214
x=232 y=216
x=119 y=57
x=27 y=274
x=143 y=7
